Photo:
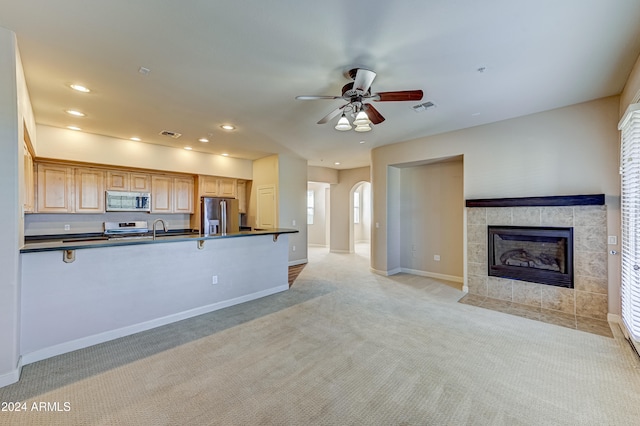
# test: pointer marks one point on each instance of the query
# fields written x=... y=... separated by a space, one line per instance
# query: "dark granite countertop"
x=97 y=240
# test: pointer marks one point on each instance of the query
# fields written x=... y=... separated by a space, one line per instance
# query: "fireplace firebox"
x=536 y=254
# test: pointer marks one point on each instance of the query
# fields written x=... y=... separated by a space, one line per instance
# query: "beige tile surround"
x=587 y=299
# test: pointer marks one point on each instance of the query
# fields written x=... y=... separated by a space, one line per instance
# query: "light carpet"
x=343 y=346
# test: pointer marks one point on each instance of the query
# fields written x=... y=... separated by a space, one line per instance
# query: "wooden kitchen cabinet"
x=89 y=190
x=161 y=194
x=212 y=186
x=29 y=184
x=55 y=188
x=118 y=180
x=242 y=196
x=183 y=195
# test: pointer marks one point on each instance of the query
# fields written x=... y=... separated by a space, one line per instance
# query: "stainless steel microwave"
x=120 y=201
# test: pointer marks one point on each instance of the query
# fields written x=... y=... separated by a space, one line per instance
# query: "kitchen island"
x=79 y=293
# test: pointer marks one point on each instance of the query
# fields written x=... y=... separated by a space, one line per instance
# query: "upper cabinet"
x=118 y=180
x=171 y=194
x=63 y=189
x=212 y=186
x=29 y=185
x=55 y=188
x=89 y=190
x=242 y=196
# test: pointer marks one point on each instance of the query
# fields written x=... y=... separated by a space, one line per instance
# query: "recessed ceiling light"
x=79 y=88
x=475 y=114
x=75 y=113
x=228 y=127
x=224 y=154
x=135 y=139
x=74 y=128
x=188 y=148
x=362 y=141
x=337 y=163
x=203 y=140
x=144 y=70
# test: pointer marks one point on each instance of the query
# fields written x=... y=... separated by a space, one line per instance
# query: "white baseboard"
x=85 y=342
x=340 y=251
x=298 y=262
x=386 y=273
x=317 y=245
x=435 y=275
x=12 y=376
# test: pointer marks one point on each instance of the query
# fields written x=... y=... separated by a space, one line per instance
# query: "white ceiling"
x=244 y=62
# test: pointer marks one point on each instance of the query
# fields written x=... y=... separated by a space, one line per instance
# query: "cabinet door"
x=55 y=189
x=242 y=196
x=209 y=186
x=227 y=187
x=117 y=180
x=89 y=186
x=183 y=195
x=161 y=194
x=28 y=191
x=139 y=182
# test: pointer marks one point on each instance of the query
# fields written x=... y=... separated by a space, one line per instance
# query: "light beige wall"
x=72 y=145
x=317 y=232
x=341 y=239
x=631 y=88
x=431 y=218
x=567 y=151
x=322 y=174
x=292 y=204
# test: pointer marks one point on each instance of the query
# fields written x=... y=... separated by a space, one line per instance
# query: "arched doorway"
x=360 y=218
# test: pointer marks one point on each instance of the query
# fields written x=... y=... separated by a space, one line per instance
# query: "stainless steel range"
x=128 y=230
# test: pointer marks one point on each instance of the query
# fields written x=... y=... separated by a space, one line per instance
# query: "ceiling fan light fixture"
x=362 y=119
x=343 y=124
x=363 y=128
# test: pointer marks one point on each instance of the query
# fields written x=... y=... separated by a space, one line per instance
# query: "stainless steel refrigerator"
x=219 y=216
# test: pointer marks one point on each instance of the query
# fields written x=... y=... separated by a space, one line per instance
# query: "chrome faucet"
x=164 y=225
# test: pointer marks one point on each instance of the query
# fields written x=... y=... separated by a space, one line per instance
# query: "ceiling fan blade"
x=313 y=98
x=373 y=114
x=403 y=95
x=331 y=115
x=363 y=79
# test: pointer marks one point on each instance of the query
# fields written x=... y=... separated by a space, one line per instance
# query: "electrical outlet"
x=612 y=240
x=67 y=227
x=214 y=279
x=293 y=222
x=436 y=257
x=293 y=248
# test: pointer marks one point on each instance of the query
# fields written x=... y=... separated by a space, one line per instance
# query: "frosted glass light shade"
x=362 y=119
x=343 y=124
x=363 y=128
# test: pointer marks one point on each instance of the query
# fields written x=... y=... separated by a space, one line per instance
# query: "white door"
x=266 y=217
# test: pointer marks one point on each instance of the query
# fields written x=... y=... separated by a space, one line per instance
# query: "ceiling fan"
x=356 y=93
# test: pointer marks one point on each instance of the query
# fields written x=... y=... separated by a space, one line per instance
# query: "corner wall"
x=567 y=151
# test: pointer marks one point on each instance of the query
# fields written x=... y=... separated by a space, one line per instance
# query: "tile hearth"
x=590 y=325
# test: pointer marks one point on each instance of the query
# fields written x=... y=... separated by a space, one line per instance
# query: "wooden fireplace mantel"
x=552 y=201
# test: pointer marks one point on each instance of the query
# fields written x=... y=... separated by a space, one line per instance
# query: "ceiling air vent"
x=424 y=106
x=174 y=135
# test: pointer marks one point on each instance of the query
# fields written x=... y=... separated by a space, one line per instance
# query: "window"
x=310 y=206
x=630 y=206
x=356 y=207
